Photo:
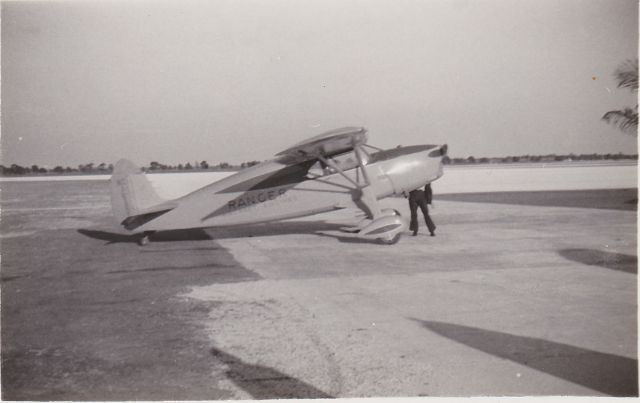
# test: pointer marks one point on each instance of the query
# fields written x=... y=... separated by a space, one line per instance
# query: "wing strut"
x=386 y=225
x=360 y=158
x=364 y=197
x=338 y=169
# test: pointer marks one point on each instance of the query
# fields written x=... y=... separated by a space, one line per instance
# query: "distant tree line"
x=539 y=158
x=103 y=168
x=92 y=168
x=199 y=166
x=155 y=166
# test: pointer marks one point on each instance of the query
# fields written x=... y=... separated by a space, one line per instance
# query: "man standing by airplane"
x=420 y=198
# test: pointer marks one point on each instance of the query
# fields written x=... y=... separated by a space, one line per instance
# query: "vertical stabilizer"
x=131 y=191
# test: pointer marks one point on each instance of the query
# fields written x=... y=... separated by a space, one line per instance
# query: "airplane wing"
x=328 y=144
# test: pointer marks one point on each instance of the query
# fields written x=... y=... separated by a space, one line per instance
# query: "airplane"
x=331 y=171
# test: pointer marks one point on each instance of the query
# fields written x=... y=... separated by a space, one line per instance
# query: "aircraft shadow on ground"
x=607 y=373
x=320 y=228
x=175 y=268
x=265 y=383
x=346 y=239
x=608 y=260
x=273 y=228
x=200 y=234
x=162 y=236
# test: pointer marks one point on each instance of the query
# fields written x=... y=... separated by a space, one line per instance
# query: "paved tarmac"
x=523 y=294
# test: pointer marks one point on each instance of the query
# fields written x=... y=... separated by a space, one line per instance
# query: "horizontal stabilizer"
x=135 y=221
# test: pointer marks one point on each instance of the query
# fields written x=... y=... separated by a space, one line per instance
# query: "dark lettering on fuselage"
x=249 y=199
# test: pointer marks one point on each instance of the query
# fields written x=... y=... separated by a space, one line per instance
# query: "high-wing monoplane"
x=333 y=170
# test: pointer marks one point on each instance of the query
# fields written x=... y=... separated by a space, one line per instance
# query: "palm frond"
x=627 y=75
x=626 y=119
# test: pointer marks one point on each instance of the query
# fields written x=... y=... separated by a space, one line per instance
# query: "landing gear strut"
x=384 y=226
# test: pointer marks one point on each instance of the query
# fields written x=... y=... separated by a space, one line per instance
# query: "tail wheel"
x=144 y=239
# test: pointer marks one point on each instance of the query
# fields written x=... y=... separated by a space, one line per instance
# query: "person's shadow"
x=265 y=383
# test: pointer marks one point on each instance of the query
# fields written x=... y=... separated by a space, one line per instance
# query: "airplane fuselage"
x=278 y=189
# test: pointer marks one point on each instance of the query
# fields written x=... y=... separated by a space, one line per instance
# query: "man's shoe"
x=415 y=233
x=433 y=234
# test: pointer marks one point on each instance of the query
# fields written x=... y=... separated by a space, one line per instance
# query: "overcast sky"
x=238 y=80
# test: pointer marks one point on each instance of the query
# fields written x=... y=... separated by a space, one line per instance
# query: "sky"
x=240 y=80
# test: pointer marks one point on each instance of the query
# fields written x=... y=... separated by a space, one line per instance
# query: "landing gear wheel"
x=392 y=241
x=384 y=230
